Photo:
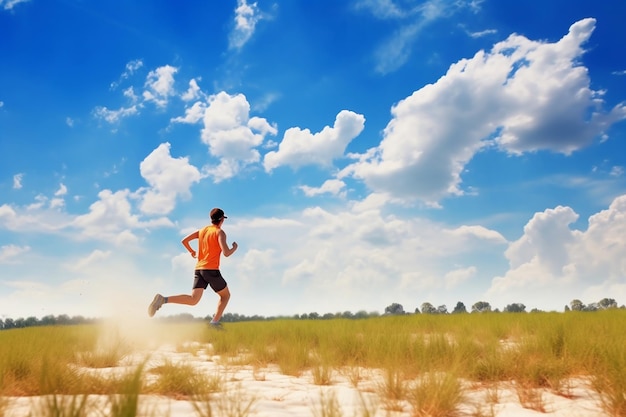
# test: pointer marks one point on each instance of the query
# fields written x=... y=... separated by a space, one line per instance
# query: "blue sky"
x=366 y=152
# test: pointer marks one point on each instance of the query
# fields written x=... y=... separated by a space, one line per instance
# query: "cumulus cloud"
x=193 y=114
x=33 y=217
x=168 y=178
x=367 y=253
x=232 y=135
x=193 y=92
x=551 y=257
x=160 y=85
x=111 y=219
x=11 y=253
x=334 y=187
x=300 y=147
x=522 y=96
x=246 y=18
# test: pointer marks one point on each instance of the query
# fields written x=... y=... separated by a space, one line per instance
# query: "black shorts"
x=205 y=277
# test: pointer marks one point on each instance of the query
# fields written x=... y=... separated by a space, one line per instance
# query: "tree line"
x=392 y=309
x=485 y=307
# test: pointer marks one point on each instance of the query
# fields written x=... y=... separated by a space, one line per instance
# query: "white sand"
x=272 y=394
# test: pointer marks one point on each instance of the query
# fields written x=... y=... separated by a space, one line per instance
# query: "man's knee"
x=196 y=296
x=224 y=294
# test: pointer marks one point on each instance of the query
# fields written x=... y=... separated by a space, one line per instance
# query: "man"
x=211 y=245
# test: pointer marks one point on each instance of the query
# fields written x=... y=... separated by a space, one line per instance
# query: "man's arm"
x=188 y=239
x=224 y=245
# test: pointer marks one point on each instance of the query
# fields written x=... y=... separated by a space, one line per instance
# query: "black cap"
x=217 y=214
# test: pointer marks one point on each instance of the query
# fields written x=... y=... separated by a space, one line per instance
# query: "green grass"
x=534 y=351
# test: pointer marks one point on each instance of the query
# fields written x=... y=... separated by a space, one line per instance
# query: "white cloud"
x=246 y=18
x=530 y=96
x=111 y=219
x=33 y=217
x=1 y=103
x=17 y=181
x=94 y=259
x=232 y=136
x=301 y=147
x=160 y=85
x=10 y=4
x=547 y=95
x=333 y=186
x=367 y=254
x=193 y=114
x=168 y=178
x=183 y=262
x=193 y=92
x=114 y=116
x=11 y=253
x=552 y=258
x=61 y=191
x=482 y=33
x=457 y=276
x=130 y=69
x=129 y=93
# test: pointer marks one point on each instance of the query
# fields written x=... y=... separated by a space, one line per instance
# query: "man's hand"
x=235 y=246
x=193 y=253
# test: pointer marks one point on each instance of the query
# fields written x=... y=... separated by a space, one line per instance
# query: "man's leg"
x=221 y=304
x=190 y=300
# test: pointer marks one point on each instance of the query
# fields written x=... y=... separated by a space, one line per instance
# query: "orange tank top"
x=209 y=249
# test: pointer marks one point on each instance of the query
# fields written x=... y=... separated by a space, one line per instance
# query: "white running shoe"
x=156 y=304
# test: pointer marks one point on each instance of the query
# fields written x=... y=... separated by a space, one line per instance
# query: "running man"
x=211 y=245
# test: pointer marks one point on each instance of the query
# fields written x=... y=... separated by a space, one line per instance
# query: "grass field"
x=426 y=361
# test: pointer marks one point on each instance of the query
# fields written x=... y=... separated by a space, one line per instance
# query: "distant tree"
x=48 y=320
x=347 y=315
x=607 y=303
x=313 y=316
x=459 y=308
x=394 y=308
x=481 y=307
x=31 y=321
x=9 y=324
x=592 y=307
x=417 y=310
x=1 y=324
x=515 y=308
x=566 y=309
x=442 y=309
x=361 y=314
x=428 y=308
x=577 y=305
x=328 y=316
